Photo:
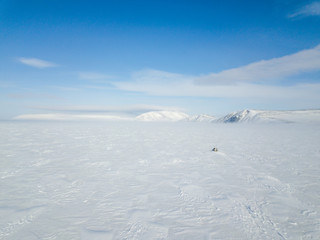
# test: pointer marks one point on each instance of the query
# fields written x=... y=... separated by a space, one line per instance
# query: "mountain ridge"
x=243 y=116
x=287 y=116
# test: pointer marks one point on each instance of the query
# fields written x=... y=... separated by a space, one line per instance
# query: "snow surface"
x=146 y=180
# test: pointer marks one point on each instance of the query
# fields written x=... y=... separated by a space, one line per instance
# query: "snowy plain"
x=155 y=180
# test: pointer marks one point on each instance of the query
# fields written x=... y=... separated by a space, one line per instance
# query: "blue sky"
x=129 y=57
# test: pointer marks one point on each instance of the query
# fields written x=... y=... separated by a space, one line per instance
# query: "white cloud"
x=254 y=82
x=68 y=117
x=241 y=90
x=92 y=112
x=159 y=76
x=93 y=76
x=297 y=96
x=312 y=9
x=268 y=70
x=113 y=110
x=32 y=95
x=63 y=88
x=35 y=62
x=156 y=82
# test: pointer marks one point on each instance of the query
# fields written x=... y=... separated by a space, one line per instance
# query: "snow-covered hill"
x=163 y=116
x=174 y=116
x=272 y=116
x=202 y=118
x=244 y=116
x=240 y=116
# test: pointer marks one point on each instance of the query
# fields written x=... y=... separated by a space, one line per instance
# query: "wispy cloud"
x=265 y=71
x=92 y=112
x=268 y=70
x=113 y=110
x=7 y=84
x=35 y=62
x=66 y=88
x=312 y=9
x=30 y=95
x=69 y=117
x=257 y=81
x=241 y=90
x=93 y=76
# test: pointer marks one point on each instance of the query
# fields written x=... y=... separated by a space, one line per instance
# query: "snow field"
x=133 y=180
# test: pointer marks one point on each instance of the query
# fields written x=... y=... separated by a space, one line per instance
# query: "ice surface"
x=142 y=180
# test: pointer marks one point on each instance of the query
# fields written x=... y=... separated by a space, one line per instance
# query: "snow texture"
x=150 y=180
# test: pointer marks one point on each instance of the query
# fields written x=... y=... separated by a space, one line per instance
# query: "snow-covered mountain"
x=271 y=116
x=244 y=116
x=202 y=118
x=174 y=116
x=240 y=116
x=171 y=116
